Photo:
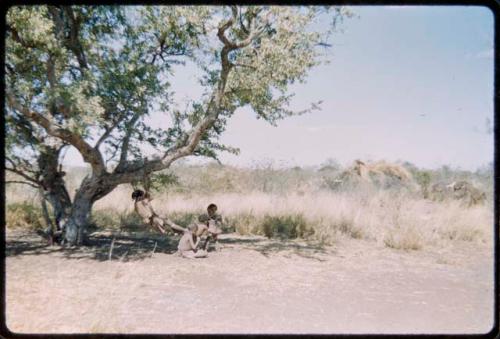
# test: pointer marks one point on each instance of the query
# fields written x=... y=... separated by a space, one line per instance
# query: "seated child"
x=212 y=221
x=144 y=208
x=187 y=247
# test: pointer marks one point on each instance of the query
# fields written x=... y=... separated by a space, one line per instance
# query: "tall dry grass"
x=397 y=220
x=289 y=203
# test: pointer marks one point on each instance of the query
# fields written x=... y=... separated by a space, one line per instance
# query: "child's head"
x=137 y=194
x=193 y=228
x=211 y=209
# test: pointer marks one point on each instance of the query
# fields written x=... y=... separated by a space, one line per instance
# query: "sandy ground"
x=254 y=285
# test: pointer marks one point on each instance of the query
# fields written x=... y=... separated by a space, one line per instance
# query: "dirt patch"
x=254 y=285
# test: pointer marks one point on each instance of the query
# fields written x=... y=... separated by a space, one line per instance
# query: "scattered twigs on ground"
x=153 y=249
x=111 y=248
x=124 y=255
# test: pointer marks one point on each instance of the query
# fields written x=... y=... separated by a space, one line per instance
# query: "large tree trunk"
x=92 y=189
x=53 y=185
x=59 y=199
x=78 y=221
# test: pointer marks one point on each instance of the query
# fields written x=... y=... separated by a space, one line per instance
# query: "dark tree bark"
x=51 y=178
x=92 y=189
x=76 y=226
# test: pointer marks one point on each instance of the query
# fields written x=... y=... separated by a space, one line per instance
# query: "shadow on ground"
x=102 y=246
x=99 y=246
x=269 y=247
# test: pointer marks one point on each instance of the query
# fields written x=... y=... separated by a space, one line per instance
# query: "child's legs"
x=188 y=254
x=216 y=241
x=211 y=237
x=193 y=254
x=174 y=227
x=201 y=254
x=207 y=243
x=158 y=223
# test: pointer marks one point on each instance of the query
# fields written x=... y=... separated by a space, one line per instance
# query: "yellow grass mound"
x=380 y=174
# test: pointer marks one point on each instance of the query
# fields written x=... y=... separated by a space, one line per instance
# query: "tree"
x=88 y=77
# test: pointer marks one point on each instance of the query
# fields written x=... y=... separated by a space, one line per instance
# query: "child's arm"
x=219 y=222
x=193 y=244
x=146 y=203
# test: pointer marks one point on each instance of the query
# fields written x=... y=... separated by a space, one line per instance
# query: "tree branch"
x=72 y=40
x=22 y=174
x=222 y=29
x=58 y=21
x=253 y=32
x=187 y=146
x=16 y=166
x=242 y=25
x=21 y=182
x=90 y=155
x=126 y=142
x=106 y=134
x=244 y=65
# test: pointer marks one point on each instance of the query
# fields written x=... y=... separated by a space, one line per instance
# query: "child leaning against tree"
x=143 y=207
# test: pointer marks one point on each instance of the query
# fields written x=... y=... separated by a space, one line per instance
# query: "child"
x=187 y=247
x=212 y=221
x=143 y=207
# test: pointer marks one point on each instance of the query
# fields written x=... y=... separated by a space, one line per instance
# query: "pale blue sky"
x=404 y=83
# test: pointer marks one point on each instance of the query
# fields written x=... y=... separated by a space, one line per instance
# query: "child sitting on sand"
x=188 y=244
x=212 y=223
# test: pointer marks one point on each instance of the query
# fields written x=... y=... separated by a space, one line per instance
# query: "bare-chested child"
x=212 y=223
x=188 y=245
x=143 y=207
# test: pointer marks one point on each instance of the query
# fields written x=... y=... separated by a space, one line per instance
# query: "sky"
x=404 y=83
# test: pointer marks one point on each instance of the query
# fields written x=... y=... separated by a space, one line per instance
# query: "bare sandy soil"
x=254 y=285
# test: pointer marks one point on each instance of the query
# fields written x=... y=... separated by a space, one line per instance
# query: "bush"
x=288 y=226
x=407 y=238
x=242 y=223
x=348 y=227
x=423 y=179
x=24 y=215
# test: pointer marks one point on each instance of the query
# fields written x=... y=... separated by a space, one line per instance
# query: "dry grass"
x=24 y=215
x=289 y=204
x=397 y=220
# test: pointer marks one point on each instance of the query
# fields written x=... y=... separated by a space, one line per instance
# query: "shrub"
x=242 y=223
x=348 y=227
x=423 y=179
x=285 y=226
x=404 y=239
x=24 y=215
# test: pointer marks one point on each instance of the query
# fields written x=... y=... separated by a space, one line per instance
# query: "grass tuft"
x=24 y=215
